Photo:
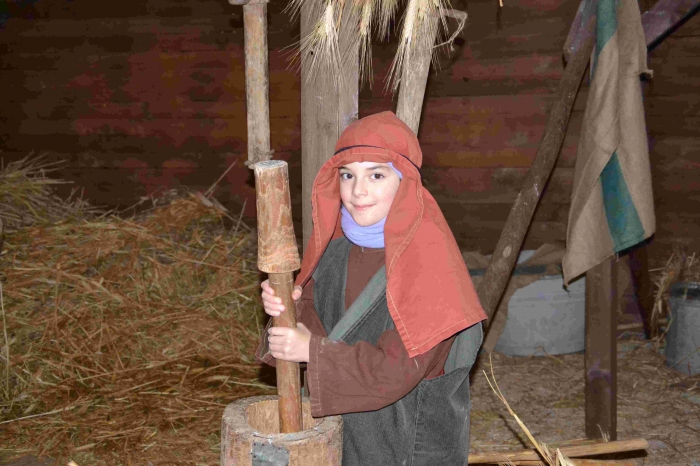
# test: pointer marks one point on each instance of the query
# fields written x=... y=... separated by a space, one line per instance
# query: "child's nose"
x=360 y=188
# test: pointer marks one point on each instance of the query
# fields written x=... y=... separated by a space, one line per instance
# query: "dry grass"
x=547 y=392
x=680 y=267
x=556 y=458
x=126 y=337
x=27 y=197
x=346 y=25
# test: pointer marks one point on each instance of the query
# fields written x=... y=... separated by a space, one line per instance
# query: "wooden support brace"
x=601 y=350
x=504 y=257
x=665 y=17
x=658 y=22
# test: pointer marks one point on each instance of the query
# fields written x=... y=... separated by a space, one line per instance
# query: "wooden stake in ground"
x=279 y=257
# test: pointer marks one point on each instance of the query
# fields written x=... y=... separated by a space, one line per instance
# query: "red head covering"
x=429 y=292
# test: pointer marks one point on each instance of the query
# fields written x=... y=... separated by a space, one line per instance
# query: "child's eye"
x=377 y=176
x=345 y=176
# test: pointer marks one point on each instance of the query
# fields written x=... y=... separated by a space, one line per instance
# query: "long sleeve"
x=346 y=378
x=362 y=377
x=306 y=314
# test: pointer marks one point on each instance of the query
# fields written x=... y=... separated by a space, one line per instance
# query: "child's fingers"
x=271 y=299
x=279 y=331
x=296 y=294
x=267 y=288
x=268 y=293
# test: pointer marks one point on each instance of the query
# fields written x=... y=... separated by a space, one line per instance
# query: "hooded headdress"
x=429 y=292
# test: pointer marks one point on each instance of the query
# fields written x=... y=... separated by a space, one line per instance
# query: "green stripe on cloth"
x=606 y=25
x=623 y=220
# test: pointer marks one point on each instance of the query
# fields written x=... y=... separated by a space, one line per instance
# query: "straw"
x=129 y=336
x=553 y=459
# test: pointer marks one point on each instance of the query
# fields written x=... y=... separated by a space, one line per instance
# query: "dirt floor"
x=655 y=403
x=546 y=392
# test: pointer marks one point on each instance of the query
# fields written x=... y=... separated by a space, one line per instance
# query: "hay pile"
x=127 y=337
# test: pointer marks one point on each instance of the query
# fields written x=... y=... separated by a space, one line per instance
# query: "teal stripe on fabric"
x=362 y=304
x=606 y=25
x=623 y=220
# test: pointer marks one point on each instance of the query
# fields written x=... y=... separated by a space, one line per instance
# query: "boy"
x=389 y=322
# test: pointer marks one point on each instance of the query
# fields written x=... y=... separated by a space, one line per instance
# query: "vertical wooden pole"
x=256 y=79
x=414 y=80
x=279 y=257
x=326 y=109
x=601 y=350
x=643 y=287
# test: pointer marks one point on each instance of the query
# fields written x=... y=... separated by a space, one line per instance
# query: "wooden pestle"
x=279 y=257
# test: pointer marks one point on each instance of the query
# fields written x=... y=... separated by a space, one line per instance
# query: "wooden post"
x=413 y=82
x=414 y=79
x=256 y=79
x=643 y=287
x=326 y=109
x=279 y=257
x=601 y=350
x=513 y=234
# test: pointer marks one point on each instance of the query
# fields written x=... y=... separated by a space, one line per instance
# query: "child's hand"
x=289 y=344
x=272 y=304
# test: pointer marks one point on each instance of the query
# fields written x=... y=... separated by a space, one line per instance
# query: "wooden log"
x=573 y=451
x=513 y=234
x=582 y=462
x=658 y=22
x=601 y=350
x=413 y=82
x=415 y=78
x=665 y=17
x=580 y=32
x=279 y=257
x=256 y=79
x=326 y=108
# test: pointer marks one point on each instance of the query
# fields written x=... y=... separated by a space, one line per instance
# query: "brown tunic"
x=362 y=377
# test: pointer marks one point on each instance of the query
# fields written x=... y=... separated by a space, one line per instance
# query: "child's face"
x=367 y=190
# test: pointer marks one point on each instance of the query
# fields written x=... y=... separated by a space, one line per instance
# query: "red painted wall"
x=141 y=97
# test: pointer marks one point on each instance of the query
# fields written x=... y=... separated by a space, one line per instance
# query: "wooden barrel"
x=250 y=436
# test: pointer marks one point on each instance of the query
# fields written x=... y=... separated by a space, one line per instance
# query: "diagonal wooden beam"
x=513 y=234
x=658 y=22
x=665 y=17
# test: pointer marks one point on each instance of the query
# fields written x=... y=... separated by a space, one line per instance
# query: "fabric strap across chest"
x=367 y=317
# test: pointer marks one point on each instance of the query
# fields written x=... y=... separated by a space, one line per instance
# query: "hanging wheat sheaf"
x=348 y=25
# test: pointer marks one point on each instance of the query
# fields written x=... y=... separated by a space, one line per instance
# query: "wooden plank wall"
x=139 y=97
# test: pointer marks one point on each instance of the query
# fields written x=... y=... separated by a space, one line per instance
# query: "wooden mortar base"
x=250 y=428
